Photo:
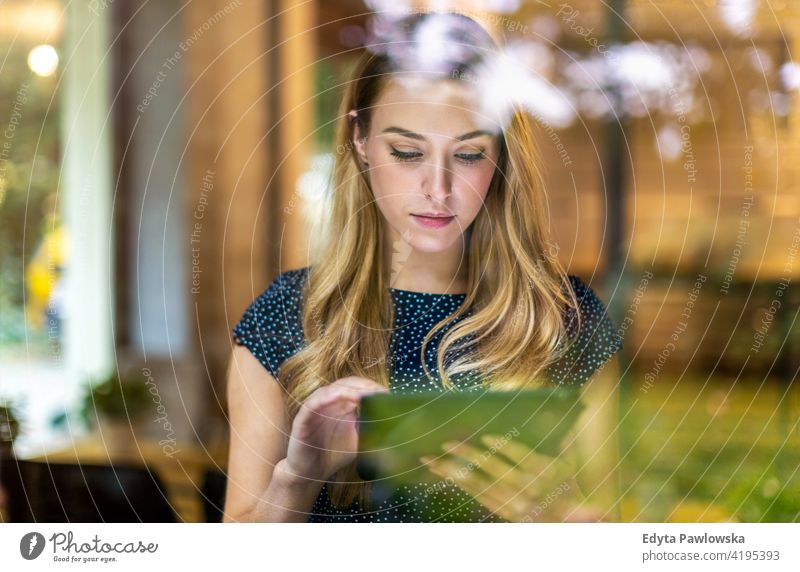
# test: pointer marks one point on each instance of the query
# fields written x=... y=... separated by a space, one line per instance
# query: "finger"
x=527 y=466
x=526 y=460
x=520 y=475
x=358 y=387
x=334 y=392
x=467 y=457
x=310 y=423
x=463 y=452
x=360 y=383
x=488 y=462
x=322 y=399
x=442 y=466
x=331 y=408
x=493 y=440
x=496 y=496
x=520 y=454
x=452 y=470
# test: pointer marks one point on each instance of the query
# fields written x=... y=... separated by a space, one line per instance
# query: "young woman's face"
x=430 y=157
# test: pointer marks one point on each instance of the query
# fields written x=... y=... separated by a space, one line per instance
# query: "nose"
x=439 y=181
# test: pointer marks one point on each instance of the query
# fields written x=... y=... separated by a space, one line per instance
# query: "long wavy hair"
x=516 y=288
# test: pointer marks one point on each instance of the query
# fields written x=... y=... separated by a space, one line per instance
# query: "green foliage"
x=9 y=424
x=765 y=497
x=115 y=397
x=682 y=447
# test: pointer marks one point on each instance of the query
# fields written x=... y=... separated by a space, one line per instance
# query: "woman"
x=438 y=249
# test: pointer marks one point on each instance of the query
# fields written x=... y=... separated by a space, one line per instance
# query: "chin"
x=433 y=244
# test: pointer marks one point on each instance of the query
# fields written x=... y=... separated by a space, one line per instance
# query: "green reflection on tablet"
x=395 y=430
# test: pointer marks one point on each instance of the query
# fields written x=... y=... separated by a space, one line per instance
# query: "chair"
x=56 y=492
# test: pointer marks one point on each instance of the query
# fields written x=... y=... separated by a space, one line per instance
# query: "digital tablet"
x=396 y=429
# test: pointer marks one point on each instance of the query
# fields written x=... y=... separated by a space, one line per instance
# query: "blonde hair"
x=516 y=288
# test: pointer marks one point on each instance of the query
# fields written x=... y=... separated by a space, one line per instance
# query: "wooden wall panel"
x=227 y=168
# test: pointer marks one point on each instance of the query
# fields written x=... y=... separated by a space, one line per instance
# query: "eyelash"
x=466 y=158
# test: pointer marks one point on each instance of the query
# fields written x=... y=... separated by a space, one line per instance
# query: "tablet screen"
x=395 y=430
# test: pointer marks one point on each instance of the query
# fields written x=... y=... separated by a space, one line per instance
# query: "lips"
x=433 y=220
x=433 y=215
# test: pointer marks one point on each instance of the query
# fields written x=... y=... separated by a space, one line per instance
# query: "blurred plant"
x=116 y=398
x=764 y=497
x=9 y=424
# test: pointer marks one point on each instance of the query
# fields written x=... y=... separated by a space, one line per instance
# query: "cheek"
x=392 y=184
x=390 y=189
x=475 y=186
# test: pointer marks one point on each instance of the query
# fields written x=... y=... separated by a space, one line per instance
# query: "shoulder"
x=281 y=300
x=285 y=290
x=271 y=326
x=287 y=283
x=591 y=308
x=592 y=338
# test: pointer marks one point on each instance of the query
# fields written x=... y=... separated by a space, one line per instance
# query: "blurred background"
x=161 y=163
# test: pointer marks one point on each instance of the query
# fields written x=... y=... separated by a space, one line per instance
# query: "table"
x=181 y=470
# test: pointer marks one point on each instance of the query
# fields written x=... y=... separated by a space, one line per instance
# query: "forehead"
x=449 y=107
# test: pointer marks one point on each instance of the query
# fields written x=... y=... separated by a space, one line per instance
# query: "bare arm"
x=277 y=469
x=260 y=489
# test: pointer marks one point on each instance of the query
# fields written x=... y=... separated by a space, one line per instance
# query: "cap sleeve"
x=591 y=342
x=271 y=326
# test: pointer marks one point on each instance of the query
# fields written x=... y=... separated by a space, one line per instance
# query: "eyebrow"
x=417 y=136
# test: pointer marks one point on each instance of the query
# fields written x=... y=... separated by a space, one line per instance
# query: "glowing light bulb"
x=43 y=60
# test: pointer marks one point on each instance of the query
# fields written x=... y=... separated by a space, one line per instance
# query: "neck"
x=442 y=272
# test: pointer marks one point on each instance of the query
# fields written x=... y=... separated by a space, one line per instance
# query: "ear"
x=360 y=142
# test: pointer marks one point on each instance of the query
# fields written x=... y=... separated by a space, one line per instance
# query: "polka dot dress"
x=271 y=328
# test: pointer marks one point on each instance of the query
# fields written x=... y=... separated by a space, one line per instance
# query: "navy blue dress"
x=271 y=328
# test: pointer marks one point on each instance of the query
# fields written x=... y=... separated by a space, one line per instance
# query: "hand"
x=512 y=481
x=324 y=435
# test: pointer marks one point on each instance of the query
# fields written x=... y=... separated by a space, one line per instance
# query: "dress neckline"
x=413 y=293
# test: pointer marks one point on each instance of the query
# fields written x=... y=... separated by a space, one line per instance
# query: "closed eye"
x=469 y=158
x=405 y=155
x=466 y=158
